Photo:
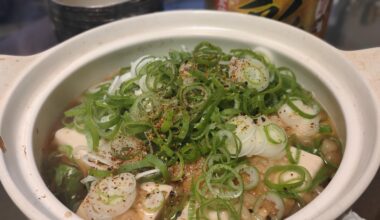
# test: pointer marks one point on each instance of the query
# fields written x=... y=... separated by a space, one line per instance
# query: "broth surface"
x=196 y=134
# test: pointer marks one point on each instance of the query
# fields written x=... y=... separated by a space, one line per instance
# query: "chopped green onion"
x=180 y=121
x=190 y=153
x=67 y=150
x=220 y=190
x=253 y=175
x=325 y=129
x=294 y=159
x=194 y=96
x=276 y=200
x=181 y=168
x=297 y=105
x=207 y=54
x=285 y=178
x=92 y=136
x=231 y=141
x=275 y=134
x=185 y=125
x=149 y=161
x=168 y=121
x=99 y=173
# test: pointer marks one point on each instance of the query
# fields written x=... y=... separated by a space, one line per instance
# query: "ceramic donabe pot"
x=35 y=91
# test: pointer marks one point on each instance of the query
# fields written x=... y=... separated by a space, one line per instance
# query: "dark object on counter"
x=310 y=15
x=71 y=17
x=5 y=8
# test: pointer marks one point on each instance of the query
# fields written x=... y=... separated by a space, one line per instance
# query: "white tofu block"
x=212 y=215
x=150 y=187
x=309 y=161
x=66 y=136
x=77 y=141
x=185 y=213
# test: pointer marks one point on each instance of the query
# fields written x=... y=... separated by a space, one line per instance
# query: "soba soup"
x=201 y=134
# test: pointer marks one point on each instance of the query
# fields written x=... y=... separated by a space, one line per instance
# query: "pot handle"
x=367 y=62
x=11 y=68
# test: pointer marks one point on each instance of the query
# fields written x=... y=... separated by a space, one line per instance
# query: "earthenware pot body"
x=37 y=89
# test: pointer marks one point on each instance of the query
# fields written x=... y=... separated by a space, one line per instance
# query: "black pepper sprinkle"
x=172 y=194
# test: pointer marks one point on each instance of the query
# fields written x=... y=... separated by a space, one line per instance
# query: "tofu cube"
x=150 y=187
x=67 y=136
x=310 y=162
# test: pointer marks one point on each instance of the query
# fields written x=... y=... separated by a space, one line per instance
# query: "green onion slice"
x=306 y=184
x=293 y=157
x=251 y=172
x=168 y=121
x=185 y=124
x=91 y=134
x=67 y=150
x=145 y=106
x=220 y=190
x=149 y=161
x=275 y=199
x=285 y=178
x=194 y=95
x=231 y=141
x=325 y=129
x=181 y=168
x=303 y=110
x=99 y=173
x=207 y=54
x=256 y=74
x=275 y=134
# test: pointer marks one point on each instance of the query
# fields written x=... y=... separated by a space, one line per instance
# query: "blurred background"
x=26 y=28
x=31 y=26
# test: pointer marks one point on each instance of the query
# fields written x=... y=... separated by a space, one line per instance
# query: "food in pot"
x=194 y=135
